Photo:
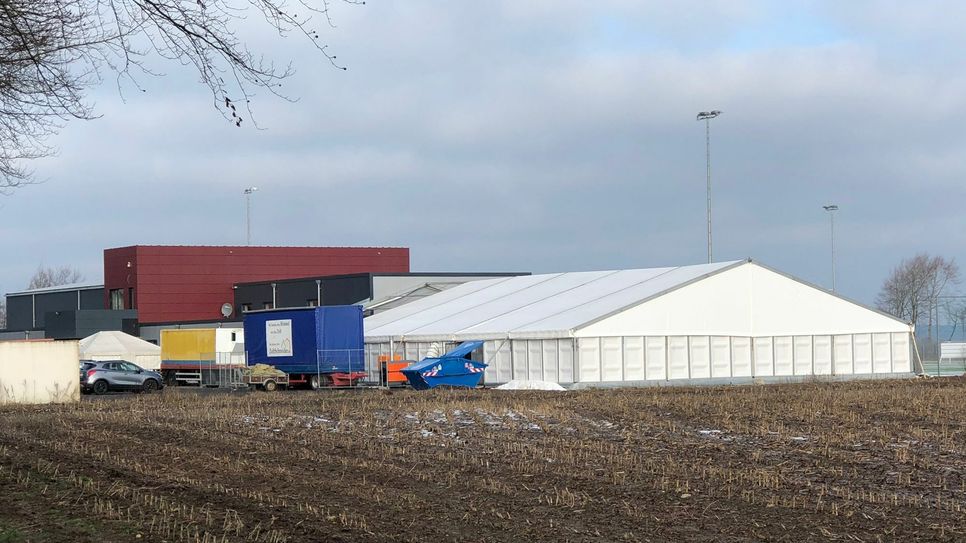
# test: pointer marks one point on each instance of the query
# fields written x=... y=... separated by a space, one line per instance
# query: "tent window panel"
x=677 y=357
x=764 y=356
x=612 y=359
x=862 y=353
x=656 y=358
x=550 y=370
x=411 y=352
x=720 y=356
x=504 y=371
x=741 y=356
x=519 y=359
x=822 y=355
x=700 y=357
x=633 y=358
x=842 y=354
x=490 y=359
x=803 y=355
x=589 y=359
x=535 y=360
x=881 y=353
x=900 y=353
x=784 y=357
x=565 y=360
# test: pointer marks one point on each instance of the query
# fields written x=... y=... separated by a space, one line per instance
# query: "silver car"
x=101 y=377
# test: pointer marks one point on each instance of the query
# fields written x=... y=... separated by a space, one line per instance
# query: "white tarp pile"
x=522 y=384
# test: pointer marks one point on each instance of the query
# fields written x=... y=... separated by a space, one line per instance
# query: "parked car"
x=101 y=377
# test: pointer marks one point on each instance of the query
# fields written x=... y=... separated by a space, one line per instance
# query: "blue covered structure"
x=327 y=339
x=451 y=369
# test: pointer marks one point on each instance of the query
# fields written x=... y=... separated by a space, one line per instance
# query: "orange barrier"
x=392 y=371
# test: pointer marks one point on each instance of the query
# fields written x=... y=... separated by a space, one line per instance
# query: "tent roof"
x=115 y=343
x=537 y=305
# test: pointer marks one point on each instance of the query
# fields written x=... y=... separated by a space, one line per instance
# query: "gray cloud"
x=539 y=136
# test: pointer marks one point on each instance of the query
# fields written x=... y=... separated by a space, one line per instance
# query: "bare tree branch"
x=47 y=276
x=51 y=51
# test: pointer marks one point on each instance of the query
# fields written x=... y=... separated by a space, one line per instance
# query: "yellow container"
x=188 y=345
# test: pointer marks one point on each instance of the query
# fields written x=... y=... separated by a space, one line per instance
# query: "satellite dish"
x=227 y=309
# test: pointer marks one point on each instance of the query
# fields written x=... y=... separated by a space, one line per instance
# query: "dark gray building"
x=76 y=324
x=375 y=291
x=26 y=310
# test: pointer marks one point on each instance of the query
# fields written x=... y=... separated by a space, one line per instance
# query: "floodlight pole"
x=706 y=116
x=248 y=214
x=831 y=209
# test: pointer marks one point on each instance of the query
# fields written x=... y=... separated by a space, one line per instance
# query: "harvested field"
x=864 y=461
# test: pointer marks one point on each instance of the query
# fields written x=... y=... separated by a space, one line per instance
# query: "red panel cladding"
x=188 y=283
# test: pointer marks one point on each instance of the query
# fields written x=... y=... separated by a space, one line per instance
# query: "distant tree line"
x=919 y=291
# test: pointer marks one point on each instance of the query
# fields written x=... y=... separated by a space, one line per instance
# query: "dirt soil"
x=864 y=461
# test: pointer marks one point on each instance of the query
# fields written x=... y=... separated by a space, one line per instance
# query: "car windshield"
x=86 y=366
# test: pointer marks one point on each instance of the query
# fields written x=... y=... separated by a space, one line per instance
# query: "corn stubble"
x=863 y=461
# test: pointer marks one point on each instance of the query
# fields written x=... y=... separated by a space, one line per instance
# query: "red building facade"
x=190 y=283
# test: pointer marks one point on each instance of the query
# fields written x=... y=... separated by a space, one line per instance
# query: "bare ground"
x=875 y=461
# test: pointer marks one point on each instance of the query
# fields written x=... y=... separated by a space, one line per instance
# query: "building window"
x=117 y=298
x=246 y=308
x=130 y=297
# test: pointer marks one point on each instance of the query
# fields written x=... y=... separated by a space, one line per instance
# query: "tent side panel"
x=677 y=357
x=700 y=356
x=588 y=359
x=741 y=356
x=565 y=360
x=901 y=359
x=535 y=360
x=862 y=353
x=634 y=358
x=551 y=369
x=656 y=358
x=842 y=354
x=803 y=355
x=612 y=360
x=881 y=353
x=784 y=358
x=519 y=351
x=764 y=356
x=822 y=355
x=720 y=356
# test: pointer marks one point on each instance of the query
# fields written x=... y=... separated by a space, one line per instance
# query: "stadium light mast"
x=706 y=116
x=831 y=209
x=248 y=214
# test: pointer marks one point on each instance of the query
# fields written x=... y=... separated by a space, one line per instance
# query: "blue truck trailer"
x=315 y=346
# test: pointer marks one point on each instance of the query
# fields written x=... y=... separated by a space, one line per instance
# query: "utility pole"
x=831 y=209
x=248 y=214
x=706 y=116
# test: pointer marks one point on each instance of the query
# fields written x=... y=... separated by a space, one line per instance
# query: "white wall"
x=724 y=357
x=748 y=300
x=39 y=372
x=662 y=358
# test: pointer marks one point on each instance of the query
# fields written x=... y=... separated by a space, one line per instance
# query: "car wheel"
x=100 y=387
x=314 y=382
x=149 y=386
x=270 y=386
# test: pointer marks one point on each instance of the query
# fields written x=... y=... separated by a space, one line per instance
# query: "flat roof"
x=57 y=288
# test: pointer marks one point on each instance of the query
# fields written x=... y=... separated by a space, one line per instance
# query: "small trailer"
x=268 y=383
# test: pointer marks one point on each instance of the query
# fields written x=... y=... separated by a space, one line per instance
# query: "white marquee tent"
x=721 y=322
x=120 y=346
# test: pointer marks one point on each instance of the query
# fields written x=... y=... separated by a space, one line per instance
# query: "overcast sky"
x=542 y=136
